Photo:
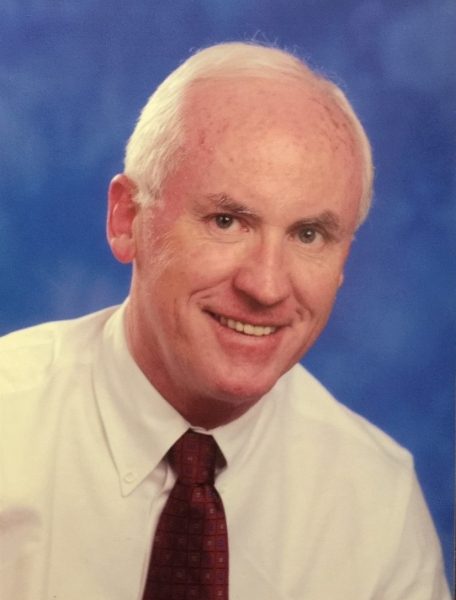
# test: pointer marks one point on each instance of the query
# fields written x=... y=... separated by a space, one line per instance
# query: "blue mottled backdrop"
x=73 y=76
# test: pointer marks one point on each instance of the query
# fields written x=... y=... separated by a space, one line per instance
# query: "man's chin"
x=244 y=392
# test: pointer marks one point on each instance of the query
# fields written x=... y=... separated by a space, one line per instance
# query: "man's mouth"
x=245 y=328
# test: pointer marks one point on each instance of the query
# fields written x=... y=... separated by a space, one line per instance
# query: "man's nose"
x=264 y=275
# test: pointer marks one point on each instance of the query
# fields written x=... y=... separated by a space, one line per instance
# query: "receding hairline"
x=309 y=91
x=149 y=162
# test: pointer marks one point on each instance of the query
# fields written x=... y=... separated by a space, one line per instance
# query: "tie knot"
x=193 y=458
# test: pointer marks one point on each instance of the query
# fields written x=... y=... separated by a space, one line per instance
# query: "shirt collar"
x=140 y=424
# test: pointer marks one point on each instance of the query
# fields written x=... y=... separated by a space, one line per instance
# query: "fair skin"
x=236 y=267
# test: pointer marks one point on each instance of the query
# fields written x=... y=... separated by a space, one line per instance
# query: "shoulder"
x=30 y=356
x=344 y=463
x=362 y=479
x=313 y=411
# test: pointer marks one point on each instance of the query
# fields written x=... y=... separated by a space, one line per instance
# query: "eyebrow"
x=224 y=202
x=327 y=219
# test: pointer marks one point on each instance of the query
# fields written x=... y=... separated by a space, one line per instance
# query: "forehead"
x=257 y=107
x=267 y=142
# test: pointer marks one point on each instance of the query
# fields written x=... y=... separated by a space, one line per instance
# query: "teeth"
x=247 y=328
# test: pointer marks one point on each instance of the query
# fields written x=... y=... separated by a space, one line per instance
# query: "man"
x=245 y=180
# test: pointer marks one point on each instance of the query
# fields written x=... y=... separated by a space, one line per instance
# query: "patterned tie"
x=190 y=553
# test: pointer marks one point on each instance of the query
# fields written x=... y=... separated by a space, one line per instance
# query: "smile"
x=246 y=328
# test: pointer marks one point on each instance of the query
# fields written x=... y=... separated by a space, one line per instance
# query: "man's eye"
x=224 y=221
x=308 y=235
x=227 y=227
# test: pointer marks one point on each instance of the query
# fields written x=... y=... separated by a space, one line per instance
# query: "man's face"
x=238 y=264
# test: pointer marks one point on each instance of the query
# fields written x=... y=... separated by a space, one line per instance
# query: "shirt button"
x=129 y=477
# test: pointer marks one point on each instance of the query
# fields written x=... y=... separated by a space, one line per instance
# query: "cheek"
x=317 y=286
x=174 y=272
x=210 y=262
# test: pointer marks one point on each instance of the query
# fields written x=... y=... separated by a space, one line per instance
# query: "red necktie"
x=190 y=552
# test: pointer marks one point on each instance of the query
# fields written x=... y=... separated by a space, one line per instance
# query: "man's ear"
x=122 y=210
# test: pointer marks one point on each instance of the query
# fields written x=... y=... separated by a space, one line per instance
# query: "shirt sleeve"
x=416 y=569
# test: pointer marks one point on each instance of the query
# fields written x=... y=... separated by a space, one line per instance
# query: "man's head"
x=246 y=178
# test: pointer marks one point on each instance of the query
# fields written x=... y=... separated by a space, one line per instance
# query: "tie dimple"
x=193 y=458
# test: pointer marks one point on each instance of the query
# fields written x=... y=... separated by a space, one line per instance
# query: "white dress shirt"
x=320 y=504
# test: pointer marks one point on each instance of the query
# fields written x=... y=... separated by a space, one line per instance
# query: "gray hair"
x=152 y=150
